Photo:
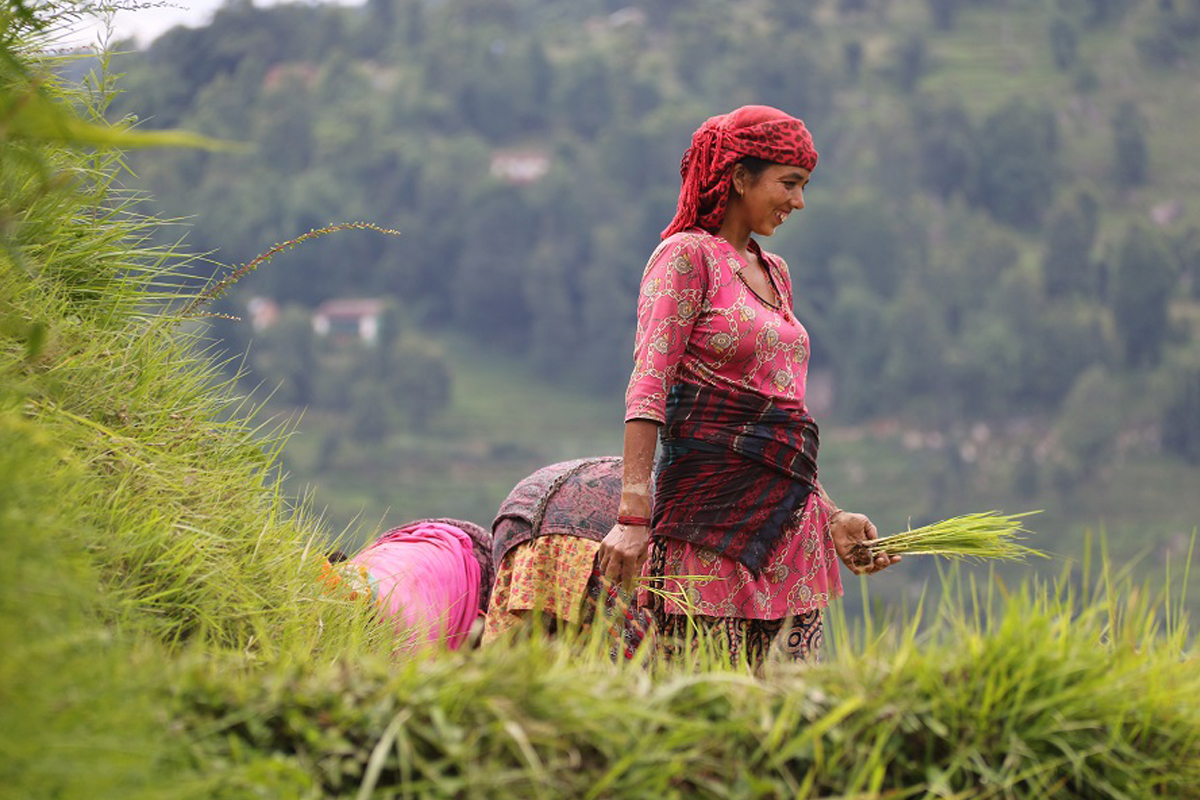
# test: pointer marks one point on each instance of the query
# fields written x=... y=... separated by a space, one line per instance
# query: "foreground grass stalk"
x=219 y=288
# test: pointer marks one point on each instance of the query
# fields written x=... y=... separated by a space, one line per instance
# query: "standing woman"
x=720 y=364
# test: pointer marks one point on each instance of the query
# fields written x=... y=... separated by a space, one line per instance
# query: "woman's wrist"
x=633 y=520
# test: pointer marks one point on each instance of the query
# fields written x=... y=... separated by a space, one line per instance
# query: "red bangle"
x=643 y=522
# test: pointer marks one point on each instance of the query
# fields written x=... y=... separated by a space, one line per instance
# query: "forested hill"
x=1005 y=221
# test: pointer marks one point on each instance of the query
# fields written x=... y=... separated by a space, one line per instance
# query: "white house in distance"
x=263 y=313
x=520 y=167
x=349 y=319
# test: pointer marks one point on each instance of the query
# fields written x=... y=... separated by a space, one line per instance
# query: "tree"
x=910 y=56
x=369 y=413
x=420 y=381
x=1018 y=158
x=489 y=298
x=1087 y=426
x=944 y=12
x=607 y=315
x=797 y=80
x=1131 y=153
x=916 y=365
x=553 y=335
x=1181 y=418
x=585 y=94
x=947 y=144
x=790 y=14
x=1067 y=266
x=1064 y=43
x=1142 y=283
x=1187 y=256
x=852 y=57
x=857 y=340
x=288 y=356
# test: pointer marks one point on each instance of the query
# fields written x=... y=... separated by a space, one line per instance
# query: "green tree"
x=420 y=380
x=1091 y=417
x=1181 y=417
x=857 y=340
x=1131 y=152
x=1187 y=256
x=585 y=94
x=1064 y=43
x=369 y=413
x=948 y=146
x=1018 y=162
x=607 y=314
x=918 y=347
x=944 y=13
x=489 y=298
x=288 y=356
x=1067 y=266
x=553 y=334
x=910 y=59
x=1143 y=279
x=852 y=58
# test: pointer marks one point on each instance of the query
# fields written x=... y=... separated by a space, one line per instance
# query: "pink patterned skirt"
x=799 y=577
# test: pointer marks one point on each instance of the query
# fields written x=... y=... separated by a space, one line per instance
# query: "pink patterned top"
x=698 y=321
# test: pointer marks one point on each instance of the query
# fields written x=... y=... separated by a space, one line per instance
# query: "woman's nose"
x=798 y=199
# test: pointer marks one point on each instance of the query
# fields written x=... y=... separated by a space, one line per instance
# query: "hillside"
x=1005 y=221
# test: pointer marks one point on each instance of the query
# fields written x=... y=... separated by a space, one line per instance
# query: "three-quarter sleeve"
x=670 y=300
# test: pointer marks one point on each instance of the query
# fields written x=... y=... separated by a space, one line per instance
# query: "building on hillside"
x=520 y=167
x=263 y=313
x=301 y=72
x=349 y=319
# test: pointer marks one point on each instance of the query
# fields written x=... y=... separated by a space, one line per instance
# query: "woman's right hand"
x=622 y=553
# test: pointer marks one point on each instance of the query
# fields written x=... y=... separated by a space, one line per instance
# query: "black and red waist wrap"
x=735 y=470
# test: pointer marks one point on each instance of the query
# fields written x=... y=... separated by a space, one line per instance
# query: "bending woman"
x=545 y=539
x=430 y=579
x=720 y=365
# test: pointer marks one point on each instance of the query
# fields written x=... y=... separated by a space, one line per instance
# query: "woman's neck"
x=736 y=233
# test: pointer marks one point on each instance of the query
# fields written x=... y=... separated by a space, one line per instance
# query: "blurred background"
x=999 y=264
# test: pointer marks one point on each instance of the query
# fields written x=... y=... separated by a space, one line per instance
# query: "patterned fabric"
x=743 y=641
x=801 y=575
x=803 y=638
x=627 y=624
x=573 y=498
x=550 y=573
x=699 y=322
x=735 y=471
x=707 y=167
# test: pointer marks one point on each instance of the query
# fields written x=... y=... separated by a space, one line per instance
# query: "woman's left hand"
x=847 y=530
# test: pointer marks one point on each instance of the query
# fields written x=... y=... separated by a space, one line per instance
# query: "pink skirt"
x=800 y=576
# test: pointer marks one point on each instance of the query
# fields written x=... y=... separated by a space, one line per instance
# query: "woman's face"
x=768 y=199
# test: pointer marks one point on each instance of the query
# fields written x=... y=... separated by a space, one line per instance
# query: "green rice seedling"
x=986 y=535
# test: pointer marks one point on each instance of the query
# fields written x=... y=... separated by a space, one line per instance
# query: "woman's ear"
x=739 y=179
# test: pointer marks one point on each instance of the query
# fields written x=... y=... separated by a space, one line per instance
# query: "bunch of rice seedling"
x=989 y=534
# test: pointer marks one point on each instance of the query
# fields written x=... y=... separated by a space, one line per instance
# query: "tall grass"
x=1044 y=690
x=174 y=491
x=139 y=514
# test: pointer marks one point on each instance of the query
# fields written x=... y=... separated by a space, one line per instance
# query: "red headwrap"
x=707 y=168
